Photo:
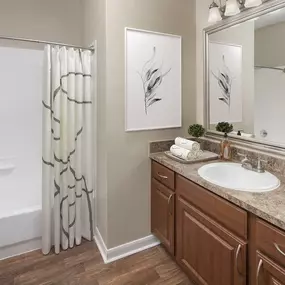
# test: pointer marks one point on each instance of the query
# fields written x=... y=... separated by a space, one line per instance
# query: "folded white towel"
x=196 y=154
x=187 y=144
x=183 y=153
x=199 y=153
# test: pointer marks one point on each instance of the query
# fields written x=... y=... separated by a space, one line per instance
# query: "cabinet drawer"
x=163 y=174
x=270 y=240
x=230 y=216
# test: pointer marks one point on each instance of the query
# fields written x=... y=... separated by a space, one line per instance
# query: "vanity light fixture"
x=252 y=3
x=214 y=13
x=232 y=8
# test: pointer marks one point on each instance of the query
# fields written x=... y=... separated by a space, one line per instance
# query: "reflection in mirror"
x=247 y=78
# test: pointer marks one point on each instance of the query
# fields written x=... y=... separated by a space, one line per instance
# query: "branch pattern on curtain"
x=67 y=149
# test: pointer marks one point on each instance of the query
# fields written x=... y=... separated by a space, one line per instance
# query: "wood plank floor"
x=83 y=265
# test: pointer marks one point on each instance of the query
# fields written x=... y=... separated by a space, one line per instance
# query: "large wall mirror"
x=245 y=75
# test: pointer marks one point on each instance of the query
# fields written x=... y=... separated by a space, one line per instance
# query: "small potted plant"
x=224 y=127
x=196 y=130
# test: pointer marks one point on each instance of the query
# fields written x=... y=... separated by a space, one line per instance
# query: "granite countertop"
x=269 y=206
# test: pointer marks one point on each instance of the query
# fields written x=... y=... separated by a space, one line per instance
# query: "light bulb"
x=252 y=3
x=214 y=13
x=232 y=8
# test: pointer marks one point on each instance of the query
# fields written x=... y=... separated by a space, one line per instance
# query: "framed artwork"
x=153 y=80
x=225 y=86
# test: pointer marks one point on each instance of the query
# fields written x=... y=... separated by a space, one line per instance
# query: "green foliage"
x=196 y=130
x=224 y=127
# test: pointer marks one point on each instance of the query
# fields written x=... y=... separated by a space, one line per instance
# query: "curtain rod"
x=91 y=48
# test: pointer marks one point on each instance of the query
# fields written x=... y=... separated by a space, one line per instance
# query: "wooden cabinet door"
x=268 y=272
x=210 y=254
x=162 y=214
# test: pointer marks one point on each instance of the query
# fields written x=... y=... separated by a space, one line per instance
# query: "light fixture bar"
x=231 y=8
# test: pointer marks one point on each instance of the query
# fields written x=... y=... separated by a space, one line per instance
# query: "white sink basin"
x=235 y=177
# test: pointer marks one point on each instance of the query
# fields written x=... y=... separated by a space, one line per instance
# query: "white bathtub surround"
x=21 y=130
x=20 y=232
x=20 y=150
x=67 y=149
x=20 y=248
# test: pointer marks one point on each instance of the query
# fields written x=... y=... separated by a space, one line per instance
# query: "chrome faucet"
x=247 y=164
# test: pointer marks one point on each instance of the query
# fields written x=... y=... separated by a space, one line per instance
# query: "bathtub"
x=20 y=151
x=20 y=231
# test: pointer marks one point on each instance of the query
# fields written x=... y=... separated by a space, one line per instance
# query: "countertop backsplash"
x=274 y=162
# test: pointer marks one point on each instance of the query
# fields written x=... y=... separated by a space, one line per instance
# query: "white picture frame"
x=153 y=80
x=225 y=97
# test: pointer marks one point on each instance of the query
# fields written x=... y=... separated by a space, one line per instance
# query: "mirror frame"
x=265 y=8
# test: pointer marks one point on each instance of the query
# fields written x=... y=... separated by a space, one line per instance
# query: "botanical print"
x=152 y=77
x=153 y=80
x=224 y=80
x=225 y=83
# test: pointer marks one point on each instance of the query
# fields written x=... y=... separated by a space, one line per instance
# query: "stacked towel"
x=187 y=144
x=186 y=149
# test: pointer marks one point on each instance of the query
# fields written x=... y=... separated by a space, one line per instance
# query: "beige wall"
x=242 y=35
x=270 y=45
x=95 y=29
x=128 y=163
x=123 y=203
x=52 y=20
x=202 y=12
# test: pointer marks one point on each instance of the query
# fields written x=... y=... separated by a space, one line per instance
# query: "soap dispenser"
x=225 y=148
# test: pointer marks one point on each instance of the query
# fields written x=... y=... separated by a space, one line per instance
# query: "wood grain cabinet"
x=163 y=211
x=268 y=246
x=268 y=272
x=205 y=249
x=214 y=241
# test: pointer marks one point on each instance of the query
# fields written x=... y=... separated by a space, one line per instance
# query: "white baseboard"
x=101 y=245
x=124 y=250
x=20 y=248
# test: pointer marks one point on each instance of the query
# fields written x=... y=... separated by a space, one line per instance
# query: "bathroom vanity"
x=218 y=236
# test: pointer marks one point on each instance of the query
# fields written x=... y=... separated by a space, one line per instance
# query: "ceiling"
x=270 y=19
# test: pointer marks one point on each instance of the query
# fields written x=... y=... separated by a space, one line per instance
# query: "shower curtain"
x=67 y=197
